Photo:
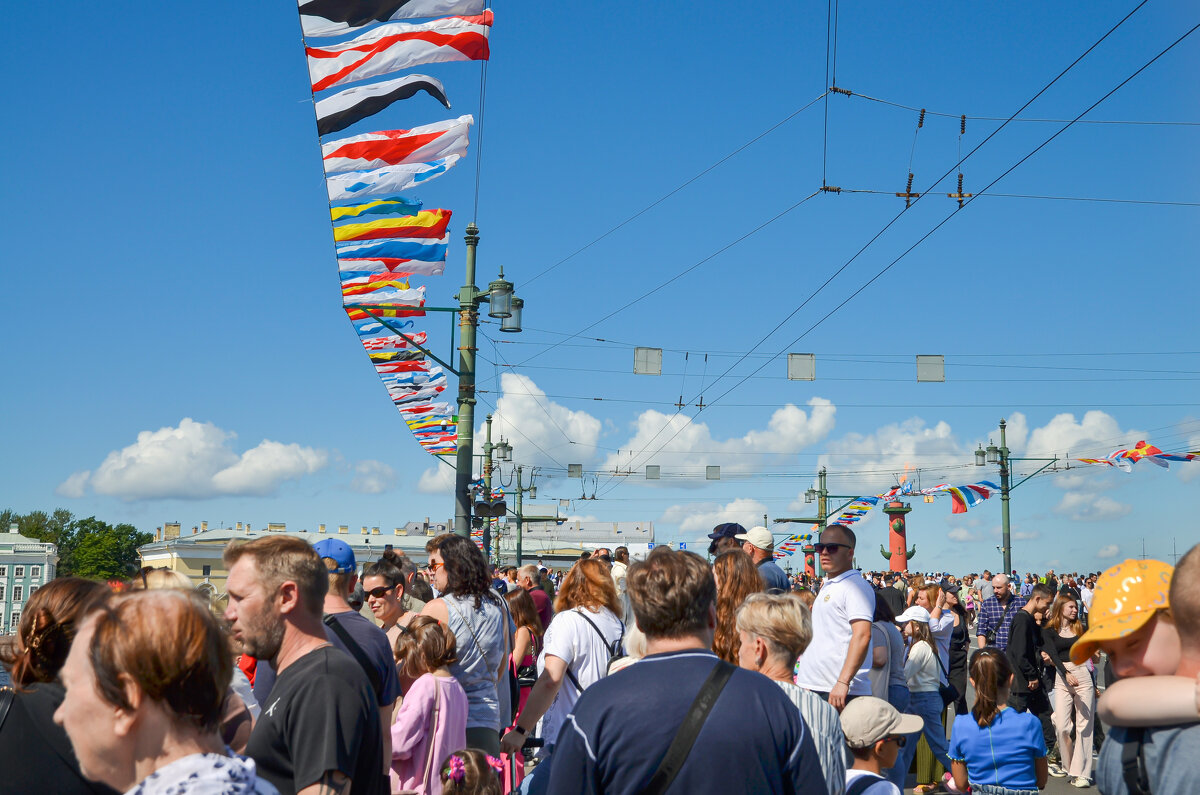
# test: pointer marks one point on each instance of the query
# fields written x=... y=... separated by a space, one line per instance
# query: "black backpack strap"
x=860 y=784
x=611 y=648
x=1133 y=763
x=356 y=652
x=689 y=730
x=6 y=700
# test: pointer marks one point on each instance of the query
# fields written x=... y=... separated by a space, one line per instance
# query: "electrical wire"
x=680 y=187
x=1052 y=198
x=958 y=116
x=947 y=218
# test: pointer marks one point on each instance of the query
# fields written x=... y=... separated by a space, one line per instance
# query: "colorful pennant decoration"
x=1142 y=451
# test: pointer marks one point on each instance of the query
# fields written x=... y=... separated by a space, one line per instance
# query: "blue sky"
x=189 y=359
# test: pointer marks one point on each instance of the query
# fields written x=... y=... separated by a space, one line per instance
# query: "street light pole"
x=487 y=487
x=520 y=516
x=468 y=320
x=1006 y=539
x=1001 y=455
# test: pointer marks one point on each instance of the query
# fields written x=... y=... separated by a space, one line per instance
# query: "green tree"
x=99 y=551
x=86 y=547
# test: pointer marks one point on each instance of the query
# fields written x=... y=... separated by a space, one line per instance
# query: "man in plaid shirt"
x=997 y=613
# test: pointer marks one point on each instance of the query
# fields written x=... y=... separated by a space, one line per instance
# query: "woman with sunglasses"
x=483 y=628
x=996 y=749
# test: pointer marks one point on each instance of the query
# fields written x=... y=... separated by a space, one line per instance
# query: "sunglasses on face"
x=432 y=567
x=898 y=739
x=380 y=592
x=820 y=548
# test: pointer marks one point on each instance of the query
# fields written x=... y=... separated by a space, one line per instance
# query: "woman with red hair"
x=582 y=638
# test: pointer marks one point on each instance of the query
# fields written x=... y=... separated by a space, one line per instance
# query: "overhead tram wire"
x=957 y=116
x=674 y=278
x=479 y=139
x=1051 y=198
x=923 y=194
x=680 y=187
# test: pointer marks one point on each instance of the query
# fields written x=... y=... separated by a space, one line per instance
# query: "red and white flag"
x=335 y=17
x=395 y=46
x=392 y=342
x=397 y=147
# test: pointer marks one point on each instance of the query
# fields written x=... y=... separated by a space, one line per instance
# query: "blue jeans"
x=898 y=697
x=929 y=706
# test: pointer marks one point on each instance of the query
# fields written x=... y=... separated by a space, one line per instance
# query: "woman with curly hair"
x=583 y=637
x=35 y=753
x=479 y=619
x=737 y=578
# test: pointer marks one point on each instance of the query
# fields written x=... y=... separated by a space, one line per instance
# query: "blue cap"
x=727 y=530
x=339 y=552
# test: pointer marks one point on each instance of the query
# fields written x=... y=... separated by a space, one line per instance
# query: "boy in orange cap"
x=1146 y=617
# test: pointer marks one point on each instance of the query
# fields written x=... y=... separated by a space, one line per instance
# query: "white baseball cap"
x=914 y=613
x=758 y=536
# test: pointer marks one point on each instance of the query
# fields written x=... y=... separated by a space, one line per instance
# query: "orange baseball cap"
x=1124 y=599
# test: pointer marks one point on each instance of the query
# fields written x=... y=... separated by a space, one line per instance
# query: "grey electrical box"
x=652 y=471
x=802 y=367
x=931 y=368
x=647 y=361
x=712 y=473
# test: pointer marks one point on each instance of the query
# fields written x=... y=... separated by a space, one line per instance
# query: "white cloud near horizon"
x=373 y=477
x=1109 y=551
x=674 y=441
x=194 y=461
x=1085 y=507
x=438 y=479
x=696 y=520
x=535 y=425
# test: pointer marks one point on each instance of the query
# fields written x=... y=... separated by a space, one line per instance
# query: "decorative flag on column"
x=335 y=17
x=355 y=104
x=395 y=46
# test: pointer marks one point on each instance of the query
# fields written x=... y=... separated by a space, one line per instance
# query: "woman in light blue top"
x=482 y=630
x=998 y=750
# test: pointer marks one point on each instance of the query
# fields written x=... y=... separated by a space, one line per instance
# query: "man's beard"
x=263 y=637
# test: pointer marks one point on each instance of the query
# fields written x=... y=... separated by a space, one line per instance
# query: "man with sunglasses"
x=836 y=664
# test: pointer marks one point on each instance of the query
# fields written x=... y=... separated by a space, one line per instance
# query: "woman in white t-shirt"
x=585 y=633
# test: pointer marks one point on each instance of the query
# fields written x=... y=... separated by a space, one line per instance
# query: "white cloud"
x=1084 y=507
x=687 y=444
x=589 y=519
x=1026 y=535
x=436 y=480
x=530 y=420
x=1110 y=551
x=373 y=477
x=194 y=461
x=1191 y=470
x=1094 y=436
x=74 y=486
x=704 y=516
x=961 y=535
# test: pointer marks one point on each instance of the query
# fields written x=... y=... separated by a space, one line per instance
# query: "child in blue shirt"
x=998 y=750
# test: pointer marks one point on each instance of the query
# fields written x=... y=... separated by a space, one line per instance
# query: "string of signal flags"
x=387 y=244
x=967 y=496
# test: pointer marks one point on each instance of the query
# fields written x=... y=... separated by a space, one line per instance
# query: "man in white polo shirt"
x=835 y=665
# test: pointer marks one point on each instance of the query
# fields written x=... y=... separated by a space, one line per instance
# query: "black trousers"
x=1038 y=703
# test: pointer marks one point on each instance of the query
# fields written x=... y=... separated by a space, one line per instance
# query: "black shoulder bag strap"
x=1133 y=763
x=6 y=700
x=689 y=730
x=356 y=652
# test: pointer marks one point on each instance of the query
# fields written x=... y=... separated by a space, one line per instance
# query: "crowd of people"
x=666 y=674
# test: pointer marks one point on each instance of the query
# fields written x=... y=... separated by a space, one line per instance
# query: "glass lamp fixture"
x=500 y=293
x=512 y=323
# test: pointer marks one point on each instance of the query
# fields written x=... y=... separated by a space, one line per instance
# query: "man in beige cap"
x=759 y=544
x=875 y=733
